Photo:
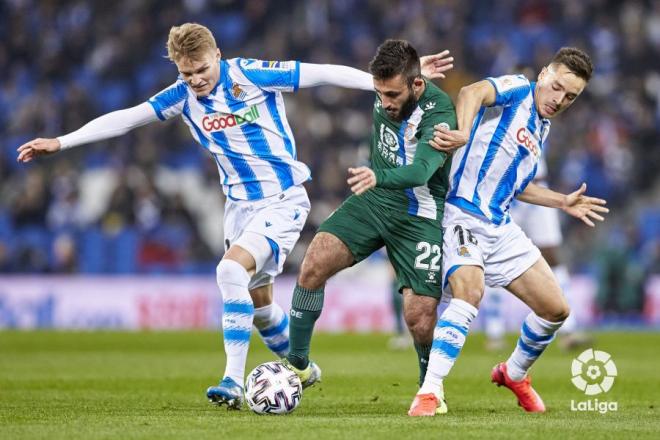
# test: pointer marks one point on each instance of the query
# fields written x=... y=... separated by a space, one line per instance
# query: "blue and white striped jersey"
x=502 y=155
x=242 y=123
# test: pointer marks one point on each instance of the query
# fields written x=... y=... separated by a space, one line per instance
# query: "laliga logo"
x=599 y=369
x=593 y=373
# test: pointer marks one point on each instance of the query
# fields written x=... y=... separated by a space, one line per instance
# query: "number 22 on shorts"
x=426 y=250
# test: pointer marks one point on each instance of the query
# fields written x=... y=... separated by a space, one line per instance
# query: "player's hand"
x=362 y=179
x=37 y=147
x=448 y=140
x=584 y=207
x=434 y=66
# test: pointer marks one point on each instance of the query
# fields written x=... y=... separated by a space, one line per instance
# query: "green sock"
x=423 y=354
x=306 y=307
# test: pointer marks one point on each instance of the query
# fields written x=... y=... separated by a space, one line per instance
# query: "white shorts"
x=540 y=224
x=279 y=218
x=504 y=252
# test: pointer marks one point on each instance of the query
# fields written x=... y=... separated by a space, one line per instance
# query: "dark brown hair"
x=395 y=57
x=576 y=60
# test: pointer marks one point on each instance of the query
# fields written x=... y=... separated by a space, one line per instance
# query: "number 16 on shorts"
x=465 y=238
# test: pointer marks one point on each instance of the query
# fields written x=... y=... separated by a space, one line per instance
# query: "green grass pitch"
x=151 y=385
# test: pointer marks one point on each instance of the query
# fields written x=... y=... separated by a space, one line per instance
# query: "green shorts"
x=414 y=244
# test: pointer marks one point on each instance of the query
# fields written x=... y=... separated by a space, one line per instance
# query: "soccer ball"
x=272 y=388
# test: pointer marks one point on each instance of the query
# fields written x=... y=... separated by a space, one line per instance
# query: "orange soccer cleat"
x=527 y=397
x=427 y=405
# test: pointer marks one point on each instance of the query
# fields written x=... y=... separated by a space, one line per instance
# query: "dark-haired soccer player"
x=503 y=123
x=398 y=203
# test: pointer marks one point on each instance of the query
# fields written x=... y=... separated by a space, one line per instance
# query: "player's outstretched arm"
x=470 y=99
x=104 y=127
x=313 y=75
x=576 y=203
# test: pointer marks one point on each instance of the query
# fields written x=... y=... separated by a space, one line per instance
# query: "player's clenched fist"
x=362 y=179
x=37 y=147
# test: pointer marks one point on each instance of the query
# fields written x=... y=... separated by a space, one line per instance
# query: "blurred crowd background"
x=150 y=202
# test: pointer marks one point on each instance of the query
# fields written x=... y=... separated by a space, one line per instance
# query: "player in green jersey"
x=398 y=203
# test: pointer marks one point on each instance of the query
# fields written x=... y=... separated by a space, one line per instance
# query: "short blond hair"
x=190 y=40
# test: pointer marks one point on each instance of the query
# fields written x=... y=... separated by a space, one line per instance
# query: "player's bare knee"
x=421 y=330
x=467 y=286
x=420 y=316
x=312 y=271
x=471 y=296
x=311 y=276
x=557 y=314
x=562 y=314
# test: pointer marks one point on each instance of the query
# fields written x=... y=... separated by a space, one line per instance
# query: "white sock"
x=535 y=335
x=448 y=339
x=237 y=316
x=273 y=326
x=564 y=280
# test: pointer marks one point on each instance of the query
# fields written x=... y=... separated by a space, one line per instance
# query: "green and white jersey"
x=411 y=176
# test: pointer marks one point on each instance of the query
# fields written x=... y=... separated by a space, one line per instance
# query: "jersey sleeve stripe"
x=296 y=77
x=168 y=98
x=271 y=79
x=510 y=96
x=157 y=109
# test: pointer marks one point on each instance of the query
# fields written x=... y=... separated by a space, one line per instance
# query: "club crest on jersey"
x=527 y=140
x=409 y=132
x=237 y=92
x=388 y=138
x=220 y=121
